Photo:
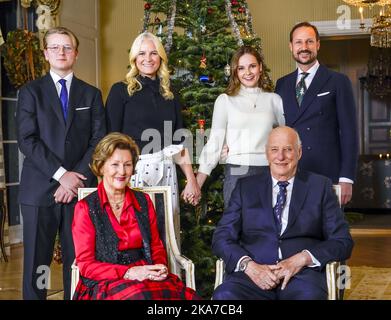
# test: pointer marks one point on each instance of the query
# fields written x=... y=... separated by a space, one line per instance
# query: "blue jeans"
x=233 y=172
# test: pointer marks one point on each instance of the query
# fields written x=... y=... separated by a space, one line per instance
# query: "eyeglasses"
x=56 y=48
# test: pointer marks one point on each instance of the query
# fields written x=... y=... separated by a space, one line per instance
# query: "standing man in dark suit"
x=280 y=230
x=319 y=104
x=60 y=119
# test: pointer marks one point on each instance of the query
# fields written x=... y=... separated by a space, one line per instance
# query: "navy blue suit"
x=48 y=142
x=248 y=228
x=326 y=122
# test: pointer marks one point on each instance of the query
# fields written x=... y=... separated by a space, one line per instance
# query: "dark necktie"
x=64 y=98
x=301 y=88
x=280 y=204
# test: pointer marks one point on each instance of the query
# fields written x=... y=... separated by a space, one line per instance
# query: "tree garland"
x=170 y=27
x=234 y=25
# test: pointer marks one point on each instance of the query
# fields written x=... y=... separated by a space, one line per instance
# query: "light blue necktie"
x=64 y=98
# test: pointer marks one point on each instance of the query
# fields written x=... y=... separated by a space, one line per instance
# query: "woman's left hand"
x=192 y=192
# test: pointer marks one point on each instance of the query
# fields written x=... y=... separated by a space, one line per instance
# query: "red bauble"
x=147 y=6
x=210 y=10
x=241 y=10
x=234 y=3
x=201 y=125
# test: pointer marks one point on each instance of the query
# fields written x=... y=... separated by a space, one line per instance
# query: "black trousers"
x=40 y=226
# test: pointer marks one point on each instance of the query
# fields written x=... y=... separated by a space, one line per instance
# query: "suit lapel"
x=321 y=77
x=299 y=193
x=50 y=91
x=74 y=98
x=291 y=108
x=266 y=194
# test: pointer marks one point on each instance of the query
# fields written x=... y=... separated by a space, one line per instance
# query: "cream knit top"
x=243 y=122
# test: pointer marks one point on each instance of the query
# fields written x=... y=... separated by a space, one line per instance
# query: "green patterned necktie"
x=301 y=88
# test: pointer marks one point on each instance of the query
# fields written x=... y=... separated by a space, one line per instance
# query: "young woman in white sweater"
x=243 y=116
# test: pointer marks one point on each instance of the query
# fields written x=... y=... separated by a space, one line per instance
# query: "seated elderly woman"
x=118 y=249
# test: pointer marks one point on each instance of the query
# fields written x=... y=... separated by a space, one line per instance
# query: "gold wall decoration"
x=25 y=3
x=47 y=11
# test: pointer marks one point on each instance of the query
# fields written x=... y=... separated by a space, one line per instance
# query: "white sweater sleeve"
x=210 y=154
x=278 y=110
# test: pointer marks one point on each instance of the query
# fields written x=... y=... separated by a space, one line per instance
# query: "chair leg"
x=2 y=224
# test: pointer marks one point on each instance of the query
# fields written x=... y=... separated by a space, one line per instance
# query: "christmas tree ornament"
x=203 y=28
x=204 y=78
x=241 y=9
x=160 y=30
x=227 y=70
x=234 y=3
x=210 y=10
x=201 y=125
x=147 y=6
x=203 y=61
x=189 y=34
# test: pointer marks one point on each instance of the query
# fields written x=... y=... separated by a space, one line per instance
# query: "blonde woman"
x=144 y=107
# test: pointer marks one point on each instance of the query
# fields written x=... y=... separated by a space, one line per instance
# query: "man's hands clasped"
x=69 y=183
x=268 y=277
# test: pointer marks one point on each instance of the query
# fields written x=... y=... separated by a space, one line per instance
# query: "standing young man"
x=60 y=119
x=319 y=104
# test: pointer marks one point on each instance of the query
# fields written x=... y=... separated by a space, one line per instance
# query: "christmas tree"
x=200 y=37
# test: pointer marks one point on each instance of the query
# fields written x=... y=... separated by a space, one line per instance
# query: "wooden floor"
x=11 y=277
x=372 y=247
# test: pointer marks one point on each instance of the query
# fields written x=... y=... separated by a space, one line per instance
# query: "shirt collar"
x=311 y=71
x=291 y=180
x=248 y=90
x=57 y=78
x=130 y=198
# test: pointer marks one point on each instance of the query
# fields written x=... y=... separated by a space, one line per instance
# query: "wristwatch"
x=243 y=264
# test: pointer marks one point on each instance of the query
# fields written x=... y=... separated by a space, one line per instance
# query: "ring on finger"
x=150 y=276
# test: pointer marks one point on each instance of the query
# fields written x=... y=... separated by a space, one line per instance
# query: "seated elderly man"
x=280 y=230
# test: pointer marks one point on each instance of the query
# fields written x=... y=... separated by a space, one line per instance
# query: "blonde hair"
x=106 y=147
x=163 y=73
x=64 y=31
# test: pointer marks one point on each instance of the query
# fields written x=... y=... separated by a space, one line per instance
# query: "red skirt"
x=120 y=289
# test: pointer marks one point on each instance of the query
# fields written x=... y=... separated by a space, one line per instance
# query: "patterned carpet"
x=369 y=283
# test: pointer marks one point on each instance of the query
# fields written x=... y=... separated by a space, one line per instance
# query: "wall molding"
x=330 y=28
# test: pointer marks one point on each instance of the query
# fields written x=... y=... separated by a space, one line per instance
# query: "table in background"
x=372 y=188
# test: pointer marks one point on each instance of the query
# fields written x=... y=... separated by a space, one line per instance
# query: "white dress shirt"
x=56 y=78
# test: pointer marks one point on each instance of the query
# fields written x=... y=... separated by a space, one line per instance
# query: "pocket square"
x=84 y=108
x=323 y=94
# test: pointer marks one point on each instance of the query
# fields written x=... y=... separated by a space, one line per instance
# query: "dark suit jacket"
x=326 y=122
x=48 y=142
x=315 y=223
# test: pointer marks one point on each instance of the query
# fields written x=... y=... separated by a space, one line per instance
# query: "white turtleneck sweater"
x=243 y=122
